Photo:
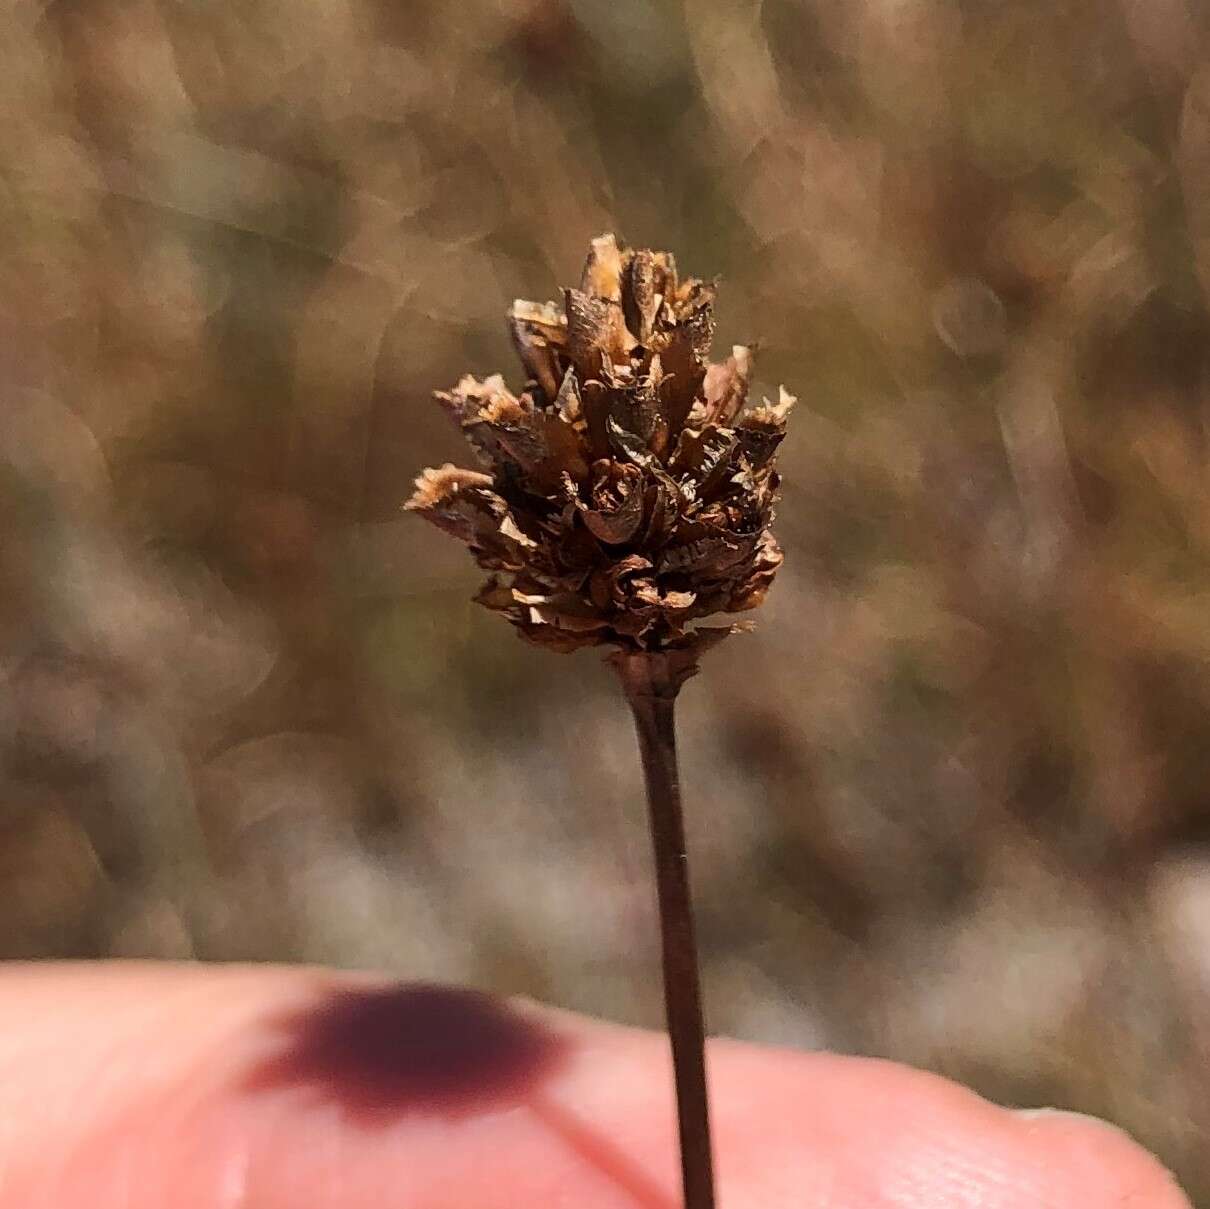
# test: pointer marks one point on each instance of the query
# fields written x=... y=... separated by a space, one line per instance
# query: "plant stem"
x=651 y=681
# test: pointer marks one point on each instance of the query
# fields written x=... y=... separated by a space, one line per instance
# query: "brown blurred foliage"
x=950 y=804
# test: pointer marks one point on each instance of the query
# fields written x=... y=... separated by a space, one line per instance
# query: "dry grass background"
x=950 y=804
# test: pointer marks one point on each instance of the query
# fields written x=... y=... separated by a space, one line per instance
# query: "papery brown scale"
x=664 y=503
x=726 y=386
x=564 y=445
x=577 y=551
x=758 y=445
x=594 y=402
x=702 y=458
x=615 y=521
x=568 y=403
x=636 y=409
x=753 y=590
x=539 y=334
x=683 y=354
x=602 y=275
x=507 y=442
x=597 y=338
x=640 y=298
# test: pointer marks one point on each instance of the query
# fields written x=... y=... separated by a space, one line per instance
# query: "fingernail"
x=1108 y=1127
x=1067 y=1114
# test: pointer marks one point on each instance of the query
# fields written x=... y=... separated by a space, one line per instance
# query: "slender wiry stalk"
x=651 y=682
x=624 y=496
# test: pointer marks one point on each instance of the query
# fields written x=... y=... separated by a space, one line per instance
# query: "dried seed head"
x=626 y=493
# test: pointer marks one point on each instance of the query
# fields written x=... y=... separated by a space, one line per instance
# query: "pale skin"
x=123 y=1086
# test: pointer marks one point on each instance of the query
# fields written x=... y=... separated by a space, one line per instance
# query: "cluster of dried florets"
x=626 y=492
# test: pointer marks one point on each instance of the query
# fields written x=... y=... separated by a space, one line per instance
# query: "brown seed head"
x=626 y=493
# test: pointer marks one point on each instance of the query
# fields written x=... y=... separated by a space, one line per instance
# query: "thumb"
x=138 y=1086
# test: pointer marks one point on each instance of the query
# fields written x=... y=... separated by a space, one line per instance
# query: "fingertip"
x=1100 y=1154
x=871 y=1134
x=306 y=1086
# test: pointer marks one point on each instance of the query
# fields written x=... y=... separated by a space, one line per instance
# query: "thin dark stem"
x=651 y=683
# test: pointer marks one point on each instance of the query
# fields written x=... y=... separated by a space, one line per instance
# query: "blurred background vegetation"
x=950 y=803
